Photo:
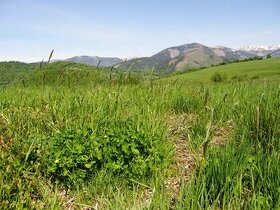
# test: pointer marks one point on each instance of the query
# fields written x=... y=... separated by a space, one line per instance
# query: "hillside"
x=66 y=73
x=266 y=68
x=11 y=71
x=63 y=73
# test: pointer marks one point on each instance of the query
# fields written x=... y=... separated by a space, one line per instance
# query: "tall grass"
x=129 y=120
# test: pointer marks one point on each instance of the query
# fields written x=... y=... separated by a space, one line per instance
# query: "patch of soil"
x=221 y=135
x=184 y=159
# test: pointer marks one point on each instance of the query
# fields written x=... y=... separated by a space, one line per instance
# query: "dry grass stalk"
x=50 y=56
x=98 y=63
x=208 y=134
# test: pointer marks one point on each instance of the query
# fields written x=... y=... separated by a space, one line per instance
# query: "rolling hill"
x=266 y=68
x=13 y=70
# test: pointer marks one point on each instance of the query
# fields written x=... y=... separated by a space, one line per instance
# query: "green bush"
x=119 y=147
x=240 y=78
x=218 y=77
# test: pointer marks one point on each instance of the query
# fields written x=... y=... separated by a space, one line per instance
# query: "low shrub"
x=218 y=77
x=120 y=147
x=240 y=78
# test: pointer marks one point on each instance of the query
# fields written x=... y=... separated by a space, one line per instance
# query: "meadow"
x=77 y=137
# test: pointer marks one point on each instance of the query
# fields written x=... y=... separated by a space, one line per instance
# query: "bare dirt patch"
x=221 y=135
x=184 y=160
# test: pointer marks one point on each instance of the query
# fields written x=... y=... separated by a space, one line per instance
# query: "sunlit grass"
x=130 y=118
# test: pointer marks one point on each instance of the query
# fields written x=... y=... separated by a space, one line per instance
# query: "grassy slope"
x=66 y=73
x=263 y=68
x=61 y=73
x=11 y=71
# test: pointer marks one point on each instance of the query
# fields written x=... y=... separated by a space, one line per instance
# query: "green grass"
x=73 y=136
x=267 y=68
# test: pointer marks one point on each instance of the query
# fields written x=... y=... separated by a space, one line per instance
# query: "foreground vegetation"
x=86 y=139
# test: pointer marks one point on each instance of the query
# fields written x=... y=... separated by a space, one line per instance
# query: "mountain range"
x=188 y=56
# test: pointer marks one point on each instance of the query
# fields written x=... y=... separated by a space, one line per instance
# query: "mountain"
x=229 y=54
x=188 y=56
x=94 y=60
x=261 y=50
x=195 y=55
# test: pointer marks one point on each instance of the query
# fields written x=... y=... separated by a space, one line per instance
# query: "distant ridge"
x=263 y=50
x=260 y=48
x=95 y=60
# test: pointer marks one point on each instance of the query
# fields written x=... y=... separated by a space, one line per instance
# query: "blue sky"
x=30 y=29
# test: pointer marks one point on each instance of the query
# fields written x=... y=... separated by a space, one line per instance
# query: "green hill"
x=267 y=68
x=62 y=73
x=66 y=73
x=58 y=72
x=12 y=71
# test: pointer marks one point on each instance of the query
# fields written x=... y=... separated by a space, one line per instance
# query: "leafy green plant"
x=119 y=147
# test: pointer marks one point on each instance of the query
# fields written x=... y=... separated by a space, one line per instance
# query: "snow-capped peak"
x=260 y=48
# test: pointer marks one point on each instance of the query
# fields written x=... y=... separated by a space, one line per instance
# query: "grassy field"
x=77 y=138
x=267 y=68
